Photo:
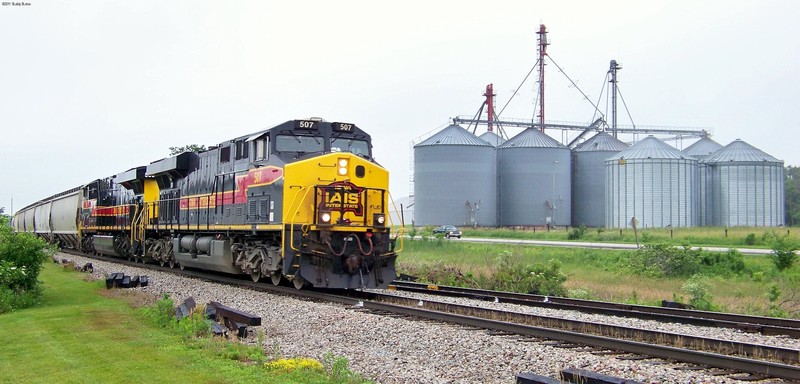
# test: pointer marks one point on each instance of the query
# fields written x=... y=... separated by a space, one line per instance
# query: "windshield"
x=294 y=143
x=358 y=147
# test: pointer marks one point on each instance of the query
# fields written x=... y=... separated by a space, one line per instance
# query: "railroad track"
x=761 y=361
x=745 y=323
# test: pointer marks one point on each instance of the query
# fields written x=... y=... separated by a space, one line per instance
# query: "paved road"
x=581 y=244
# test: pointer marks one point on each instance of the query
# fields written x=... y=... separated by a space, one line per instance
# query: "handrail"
x=133 y=223
x=401 y=232
x=291 y=223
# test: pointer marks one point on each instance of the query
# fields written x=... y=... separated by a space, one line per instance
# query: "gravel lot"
x=400 y=350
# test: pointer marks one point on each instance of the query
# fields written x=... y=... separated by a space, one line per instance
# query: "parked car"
x=448 y=231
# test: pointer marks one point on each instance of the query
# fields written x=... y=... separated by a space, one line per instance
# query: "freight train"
x=303 y=201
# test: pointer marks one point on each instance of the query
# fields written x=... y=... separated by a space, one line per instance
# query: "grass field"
x=698 y=236
x=80 y=335
x=594 y=273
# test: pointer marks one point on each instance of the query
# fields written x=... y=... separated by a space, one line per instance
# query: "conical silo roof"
x=531 y=138
x=453 y=135
x=702 y=148
x=649 y=148
x=739 y=151
x=492 y=138
x=601 y=142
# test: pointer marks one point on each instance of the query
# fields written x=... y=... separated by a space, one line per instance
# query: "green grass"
x=698 y=236
x=79 y=336
x=596 y=274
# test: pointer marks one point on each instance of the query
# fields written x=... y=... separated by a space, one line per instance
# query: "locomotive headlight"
x=342 y=167
x=379 y=220
x=324 y=218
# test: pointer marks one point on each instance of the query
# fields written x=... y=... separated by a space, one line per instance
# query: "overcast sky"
x=92 y=88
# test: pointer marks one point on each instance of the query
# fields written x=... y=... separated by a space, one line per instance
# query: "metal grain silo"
x=589 y=179
x=700 y=150
x=653 y=182
x=455 y=179
x=746 y=187
x=534 y=183
x=492 y=138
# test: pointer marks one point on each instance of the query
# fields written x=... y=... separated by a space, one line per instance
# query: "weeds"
x=783 y=252
x=664 y=260
x=580 y=293
x=337 y=367
x=699 y=290
x=532 y=278
x=577 y=233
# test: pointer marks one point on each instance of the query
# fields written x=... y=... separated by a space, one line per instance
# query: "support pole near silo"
x=543 y=43
x=489 y=94
x=613 y=71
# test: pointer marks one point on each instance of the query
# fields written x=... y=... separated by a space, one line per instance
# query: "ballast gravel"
x=402 y=350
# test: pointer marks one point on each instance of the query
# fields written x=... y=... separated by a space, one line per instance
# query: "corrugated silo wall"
x=527 y=183
x=748 y=194
x=704 y=199
x=588 y=188
x=446 y=177
x=658 y=192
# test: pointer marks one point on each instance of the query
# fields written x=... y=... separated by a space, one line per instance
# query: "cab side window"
x=261 y=149
x=225 y=154
x=241 y=150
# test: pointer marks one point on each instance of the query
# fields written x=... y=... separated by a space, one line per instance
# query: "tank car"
x=303 y=201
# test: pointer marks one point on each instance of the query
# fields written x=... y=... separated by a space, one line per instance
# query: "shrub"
x=664 y=260
x=750 y=239
x=163 y=312
x=699 y=290
x=427 y=231
x=21 y=255
x=577 y=233
x=783 y=252
x=196 y=324
x=532 y=278
x=412 y=232
x=21 y=258
x=723 y=263
x=11 y=300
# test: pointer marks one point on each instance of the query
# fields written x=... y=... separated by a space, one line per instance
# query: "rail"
x=746 y=323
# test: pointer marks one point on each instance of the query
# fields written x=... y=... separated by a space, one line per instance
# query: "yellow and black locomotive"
x=303 y=201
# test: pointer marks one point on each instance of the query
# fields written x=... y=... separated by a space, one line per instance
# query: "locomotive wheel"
x=276 y=278
x=256 y=276
x=298 y=281
x=181 y=266
x=161 y=262
x=172 y=263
